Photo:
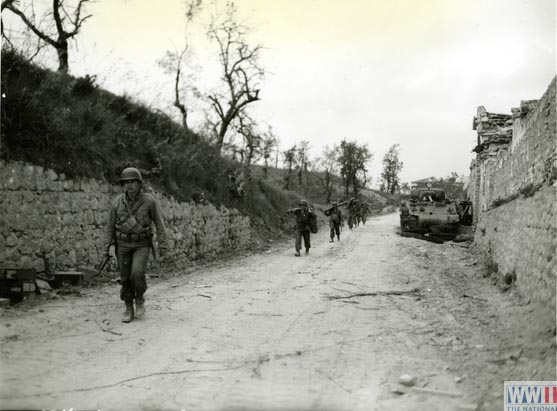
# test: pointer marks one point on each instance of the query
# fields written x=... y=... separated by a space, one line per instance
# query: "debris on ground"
x=407 y=380
x=206 y=296
x=374 y=294
x=436 y=392
x=107 y=327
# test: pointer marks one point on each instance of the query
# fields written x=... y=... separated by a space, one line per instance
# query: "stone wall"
x=513 y=188
x=520 y=237
x=48 y=221
x=532 y=161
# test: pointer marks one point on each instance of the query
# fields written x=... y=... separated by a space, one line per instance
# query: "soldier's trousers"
x=299 y=234
x=132 y=260
x=335 y=229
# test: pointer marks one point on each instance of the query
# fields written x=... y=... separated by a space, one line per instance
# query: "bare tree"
x=61 y=14
x=241 y=72
x=174 y=62
x=246 y=127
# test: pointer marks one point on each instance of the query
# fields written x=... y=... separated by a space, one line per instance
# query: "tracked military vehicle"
x=430 y=213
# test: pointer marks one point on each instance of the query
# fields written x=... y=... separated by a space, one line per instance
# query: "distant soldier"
x=335 y=221
x=404 y=216
x=364 y=211
x=404 y=211
x=353 y=213
x=129 y=224
x=303 y=216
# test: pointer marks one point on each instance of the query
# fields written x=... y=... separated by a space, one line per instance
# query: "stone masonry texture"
x=51 y=223
x=513 y=187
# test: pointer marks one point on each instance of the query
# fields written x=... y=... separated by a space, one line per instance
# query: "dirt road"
x=275 y=332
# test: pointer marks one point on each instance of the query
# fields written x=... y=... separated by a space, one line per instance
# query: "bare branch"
x=34 y=29
x=240 y=71
x=217 y=105
x=6 y=3
x=56 y=4
x=78 y=21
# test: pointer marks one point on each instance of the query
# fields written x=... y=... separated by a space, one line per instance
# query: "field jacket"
x=302 y=218
x=145 y=210
x=335 y=216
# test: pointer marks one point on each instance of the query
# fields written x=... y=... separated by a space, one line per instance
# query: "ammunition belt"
x=134 y=237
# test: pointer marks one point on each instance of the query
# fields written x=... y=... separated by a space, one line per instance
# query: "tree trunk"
x=266 y=168
x=62 y=51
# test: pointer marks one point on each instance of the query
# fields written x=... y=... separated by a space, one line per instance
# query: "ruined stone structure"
x=513 y=191
x=48 y=221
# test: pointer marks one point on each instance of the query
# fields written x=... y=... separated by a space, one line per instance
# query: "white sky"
x=380 y=72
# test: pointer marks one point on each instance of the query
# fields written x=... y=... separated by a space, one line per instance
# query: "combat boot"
x=331 y=240
x=307 y=250
x=297 y=253
x=139 y=308
x=128 y=315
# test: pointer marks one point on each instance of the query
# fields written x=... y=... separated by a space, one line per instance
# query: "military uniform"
x=353 y=213
x=129 y=225
x=335 y=221
x=303 y=216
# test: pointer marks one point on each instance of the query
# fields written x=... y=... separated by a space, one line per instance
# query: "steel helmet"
x=335 y=203
x=130 y=173
x=303 y=202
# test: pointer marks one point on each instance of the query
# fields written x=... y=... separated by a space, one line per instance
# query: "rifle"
x=328 y=210
x=89 y=275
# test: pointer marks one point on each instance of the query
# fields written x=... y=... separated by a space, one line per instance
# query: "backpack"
x=313 y=223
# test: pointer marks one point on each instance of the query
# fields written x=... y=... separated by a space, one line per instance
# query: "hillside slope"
x=74 y=127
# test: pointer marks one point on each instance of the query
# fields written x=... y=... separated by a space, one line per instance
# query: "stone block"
x=12 y=240
x=25 y=262
x=51 y=175
x=39 y=265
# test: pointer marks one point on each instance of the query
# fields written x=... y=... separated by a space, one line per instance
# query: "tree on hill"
x=289 y=160
x=176 y=64
x=252 y=141
x=63 y=23
x=353 y=159
x=302 y=160
x=241 y=72
x=329 y=163
x=391 y=168
x=269 y=143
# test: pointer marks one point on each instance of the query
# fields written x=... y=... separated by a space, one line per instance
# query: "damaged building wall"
x=50 y=222
x=513 y=189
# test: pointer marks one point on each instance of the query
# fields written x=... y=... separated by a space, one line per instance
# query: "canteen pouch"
x=129 y=226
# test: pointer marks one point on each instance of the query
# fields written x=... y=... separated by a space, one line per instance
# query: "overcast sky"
x=382 y=72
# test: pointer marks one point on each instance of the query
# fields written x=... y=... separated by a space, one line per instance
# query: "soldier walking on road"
x=335 y=221
x=303 y=216
x=131 y=216
x=353 y=213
